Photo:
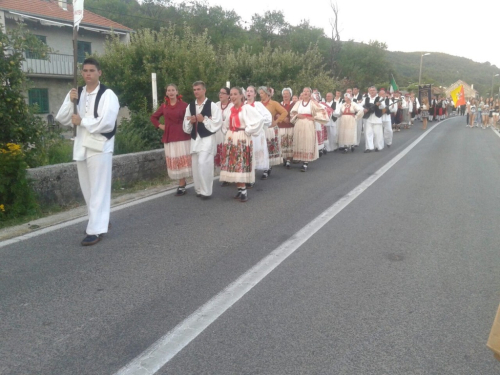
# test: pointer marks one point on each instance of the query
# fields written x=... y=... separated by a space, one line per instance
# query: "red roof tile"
x=50 y=9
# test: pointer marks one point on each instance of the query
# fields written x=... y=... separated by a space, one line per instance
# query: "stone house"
x=52 y=22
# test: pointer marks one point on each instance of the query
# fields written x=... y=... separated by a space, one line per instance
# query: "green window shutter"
x=84 y=49
x=39 y=97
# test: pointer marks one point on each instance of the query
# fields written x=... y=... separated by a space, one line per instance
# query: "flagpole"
x=75 y=71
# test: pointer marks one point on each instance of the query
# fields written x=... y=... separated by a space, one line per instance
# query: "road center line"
x=163 y=350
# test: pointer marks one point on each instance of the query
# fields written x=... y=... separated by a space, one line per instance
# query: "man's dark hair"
x=92 y=61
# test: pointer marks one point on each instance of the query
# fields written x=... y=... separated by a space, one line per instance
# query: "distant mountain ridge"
x=442 y=69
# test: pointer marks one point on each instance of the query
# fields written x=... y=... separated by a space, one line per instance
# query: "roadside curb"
x=78 y=212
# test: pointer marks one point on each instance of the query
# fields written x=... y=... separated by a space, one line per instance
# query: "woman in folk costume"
x=304 y=114
x=348 y=114
x=237 y=152
x=278 y=114
x=225 y=106
x=175 y=141
x=320 y=128
x=286 y=128
x=260 y=151
x=425 y=112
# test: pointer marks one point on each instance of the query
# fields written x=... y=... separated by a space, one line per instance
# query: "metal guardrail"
x=53 y=64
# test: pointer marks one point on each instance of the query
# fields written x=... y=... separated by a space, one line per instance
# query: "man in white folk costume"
x=374 y=135
x=97 y=108
x=331 y=126
x=202 y=120
x=390 y=107
x=357 y=98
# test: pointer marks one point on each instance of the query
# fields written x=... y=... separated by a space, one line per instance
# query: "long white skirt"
x=178 y=159
x=305 y=141
x=237 y=158
x=273 y=145
x=260 y=151
x=331 y=143
x=347 y=131
x=286 y=137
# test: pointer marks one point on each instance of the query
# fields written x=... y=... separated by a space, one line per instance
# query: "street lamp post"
x=421 y=60
x=492 y=80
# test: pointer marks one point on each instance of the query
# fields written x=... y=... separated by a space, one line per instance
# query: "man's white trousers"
x=94 y=175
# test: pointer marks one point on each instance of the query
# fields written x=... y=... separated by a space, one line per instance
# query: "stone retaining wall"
x=58 y=184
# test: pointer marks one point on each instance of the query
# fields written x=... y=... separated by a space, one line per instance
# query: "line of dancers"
x=239 y=135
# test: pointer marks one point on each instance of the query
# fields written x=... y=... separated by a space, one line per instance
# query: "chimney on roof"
x=63 y=4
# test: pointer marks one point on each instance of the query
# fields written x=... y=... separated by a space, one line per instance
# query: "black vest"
x=377 y=110
x=358 y=97
x=200 y=126
x=334 y=107
x=102 y=88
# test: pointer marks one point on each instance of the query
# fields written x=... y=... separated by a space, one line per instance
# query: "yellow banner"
x=458 y=96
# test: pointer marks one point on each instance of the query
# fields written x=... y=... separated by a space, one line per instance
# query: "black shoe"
x=238 y=195
x=304 y=168
x=352 y=148
x=269 y=171
x=249 y=185
x=376 y=150
x=90 y=240
x=205 y=197
x=367 y=150
x=224 y=184
x=320 y=153
x=198 y=195
x=345 y=150
x=388 y=146
x=243 y=196
x=181 y=190
x=264 y=176
x=287 y=164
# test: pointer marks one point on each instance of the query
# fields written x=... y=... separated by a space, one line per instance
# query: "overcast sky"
x=470 y=29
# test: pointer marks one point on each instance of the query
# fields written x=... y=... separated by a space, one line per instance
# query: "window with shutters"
x=40 y=98
x=84 y=49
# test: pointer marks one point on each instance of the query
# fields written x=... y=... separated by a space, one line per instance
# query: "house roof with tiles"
x=58 y=11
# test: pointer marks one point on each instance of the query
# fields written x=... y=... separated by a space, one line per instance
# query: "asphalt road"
x=404 y=280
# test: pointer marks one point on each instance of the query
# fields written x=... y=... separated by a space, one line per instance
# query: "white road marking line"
x=52 y=228
x=163 y=350
x=494 y=131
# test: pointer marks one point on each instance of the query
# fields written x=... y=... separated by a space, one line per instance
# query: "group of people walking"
x=239 y=135
x=482 y=112
x=235 y=136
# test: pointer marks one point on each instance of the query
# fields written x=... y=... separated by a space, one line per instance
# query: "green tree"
x=128 y=67
x=364 y=64
x=20 y=131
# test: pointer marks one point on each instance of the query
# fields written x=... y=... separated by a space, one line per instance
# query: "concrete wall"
x=58 y=184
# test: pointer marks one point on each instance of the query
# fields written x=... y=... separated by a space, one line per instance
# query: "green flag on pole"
x=393 y=87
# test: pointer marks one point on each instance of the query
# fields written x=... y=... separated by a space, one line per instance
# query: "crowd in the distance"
x=482 y=112
x=239 y=135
